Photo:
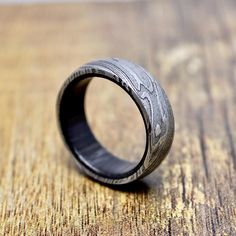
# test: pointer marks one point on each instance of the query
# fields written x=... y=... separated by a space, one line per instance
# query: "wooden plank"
x=190 y=46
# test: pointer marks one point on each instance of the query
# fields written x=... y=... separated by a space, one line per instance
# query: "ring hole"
x=115 y=120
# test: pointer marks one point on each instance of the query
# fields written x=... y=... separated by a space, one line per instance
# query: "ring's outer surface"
x=154 y=107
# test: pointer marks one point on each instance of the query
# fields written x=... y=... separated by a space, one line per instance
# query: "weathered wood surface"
x=190 y=46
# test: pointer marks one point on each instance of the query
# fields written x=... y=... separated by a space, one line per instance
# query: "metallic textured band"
x=152 y=102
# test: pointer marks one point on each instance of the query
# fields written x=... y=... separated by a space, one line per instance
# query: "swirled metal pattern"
x=152 y=102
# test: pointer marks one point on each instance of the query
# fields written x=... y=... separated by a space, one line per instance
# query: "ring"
x=152 y=103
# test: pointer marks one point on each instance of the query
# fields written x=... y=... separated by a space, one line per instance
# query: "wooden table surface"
x=190 y=46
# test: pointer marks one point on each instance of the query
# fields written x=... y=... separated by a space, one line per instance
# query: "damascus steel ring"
x=153 y=105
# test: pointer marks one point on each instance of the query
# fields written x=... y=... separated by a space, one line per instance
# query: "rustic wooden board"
x=190 y=46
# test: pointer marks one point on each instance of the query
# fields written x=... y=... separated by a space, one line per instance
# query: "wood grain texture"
x=190 y=46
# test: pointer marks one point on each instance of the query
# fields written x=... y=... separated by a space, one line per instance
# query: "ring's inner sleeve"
x=80 y=138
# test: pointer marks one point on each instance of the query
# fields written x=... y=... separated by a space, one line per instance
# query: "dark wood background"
x=190 y=47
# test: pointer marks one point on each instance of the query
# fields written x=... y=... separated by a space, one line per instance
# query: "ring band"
x=153 y=105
